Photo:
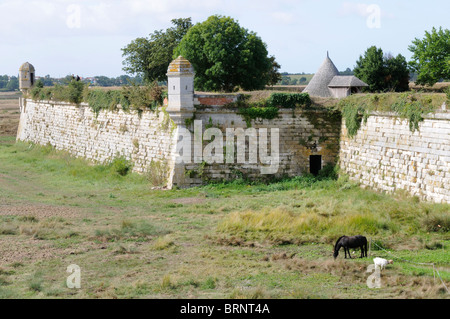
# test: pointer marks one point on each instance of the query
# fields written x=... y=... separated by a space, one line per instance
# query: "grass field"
x=9 y=112
x=218 y=241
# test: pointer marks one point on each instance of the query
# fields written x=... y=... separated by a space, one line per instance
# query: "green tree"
x=431 y=57
x=370 y=69
x=104 y=81
x=347 y=71
x=150 y=57
x=226 y=56
x=274 y=75
x=382 y=72
x=397 y=73
x=13 y=84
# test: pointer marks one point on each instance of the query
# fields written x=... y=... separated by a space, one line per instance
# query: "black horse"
x=351 y=242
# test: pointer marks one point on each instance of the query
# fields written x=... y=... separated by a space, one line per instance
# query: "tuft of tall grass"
x=162 y=243
x=140 y=231
x=167 y=283
x=318 y=221
x=437 y=222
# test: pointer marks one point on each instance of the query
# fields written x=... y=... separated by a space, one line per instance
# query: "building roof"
x=346 y=81
x=318 y=86
x=27 y=67
x=180 y=66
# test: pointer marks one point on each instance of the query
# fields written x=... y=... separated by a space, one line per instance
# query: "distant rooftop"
x=318 y=86
x=346 y=81
x=328 y=77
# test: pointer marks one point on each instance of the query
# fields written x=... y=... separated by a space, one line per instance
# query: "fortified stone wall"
x=153 y=137
x=301 y=134
x=386 y=156
x=101 y=138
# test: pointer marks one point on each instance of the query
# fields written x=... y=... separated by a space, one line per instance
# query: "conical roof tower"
x=318 y=86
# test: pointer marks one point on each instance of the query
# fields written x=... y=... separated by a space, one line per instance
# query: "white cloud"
x=361 y=9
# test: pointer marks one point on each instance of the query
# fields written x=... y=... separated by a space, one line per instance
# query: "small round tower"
x=26 y=76
x=180 y=86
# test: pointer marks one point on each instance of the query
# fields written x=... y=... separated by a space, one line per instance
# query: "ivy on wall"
x=411 y=106
x=269 y=108
x=132 y=97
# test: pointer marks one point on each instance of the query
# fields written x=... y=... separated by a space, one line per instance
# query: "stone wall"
x=301 y=133
x=386 y=156
x=101 y=138
x=153 y=137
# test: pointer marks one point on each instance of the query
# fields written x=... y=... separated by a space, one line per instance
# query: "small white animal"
x=382 y=263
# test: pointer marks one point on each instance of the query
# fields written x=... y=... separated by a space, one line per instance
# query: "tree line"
x=8 y=83
x=11 y=83
x=227 y=57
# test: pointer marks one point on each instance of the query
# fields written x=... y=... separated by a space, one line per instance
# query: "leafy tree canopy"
x=382 y=72
x=150 y=57
x=226 y=56
x=431 y=57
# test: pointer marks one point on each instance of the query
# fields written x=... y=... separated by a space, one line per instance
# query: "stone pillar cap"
x=27 y=67
x=180 y=66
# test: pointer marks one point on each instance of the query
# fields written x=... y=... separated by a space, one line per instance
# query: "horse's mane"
x=335 y=245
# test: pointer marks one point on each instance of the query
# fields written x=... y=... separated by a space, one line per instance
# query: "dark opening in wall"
x=315 y=164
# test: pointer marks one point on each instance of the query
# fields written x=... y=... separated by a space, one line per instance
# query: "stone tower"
x=180 y=88
x=26 y=76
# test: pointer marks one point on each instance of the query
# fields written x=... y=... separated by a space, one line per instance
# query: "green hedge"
x=289 y=100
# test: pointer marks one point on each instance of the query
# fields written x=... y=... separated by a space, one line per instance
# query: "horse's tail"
x=335 y=245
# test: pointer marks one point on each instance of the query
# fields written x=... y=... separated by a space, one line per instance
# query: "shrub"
x=134 y=96
x=437 y=222
x=75 y=92
x=158 y=173
x=329 y=171
x=121 y=166
x=141 y=97
x=289 y=100
x=100 y=99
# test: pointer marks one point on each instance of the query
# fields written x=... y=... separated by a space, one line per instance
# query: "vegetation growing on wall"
x=410 y=106
x=131 y=97
x=250 y=113
x=269 y=108
x=289 y=100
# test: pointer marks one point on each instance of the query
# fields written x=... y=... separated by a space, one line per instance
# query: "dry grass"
x=438 y=87
x=283 y=223
x=9 y=113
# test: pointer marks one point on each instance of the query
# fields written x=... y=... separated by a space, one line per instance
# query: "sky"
x=85 y=37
